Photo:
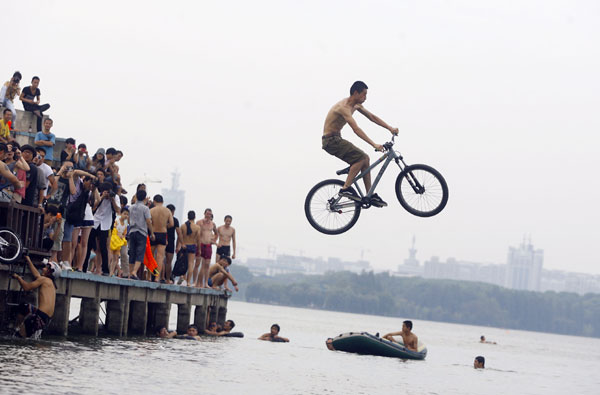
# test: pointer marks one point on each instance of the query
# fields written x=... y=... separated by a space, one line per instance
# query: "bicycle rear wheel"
x=422 y=190
x=10 y=246
x=329 y=213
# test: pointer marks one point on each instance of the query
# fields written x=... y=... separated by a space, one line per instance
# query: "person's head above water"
x=228 y=325
x=482 y=338
x=192 y=330
x=275 y=329
x=479 y=362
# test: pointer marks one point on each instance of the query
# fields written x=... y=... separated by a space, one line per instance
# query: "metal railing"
x=27 y=222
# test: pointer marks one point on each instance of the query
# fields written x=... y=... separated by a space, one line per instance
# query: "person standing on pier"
x=173 y=245
x=208 y=237
x=140 y=222
x=31 y=321
x=226 y=234
x=191 y=240
x=162 y=218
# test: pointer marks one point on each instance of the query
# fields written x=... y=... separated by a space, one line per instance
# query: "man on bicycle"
x=338 y=116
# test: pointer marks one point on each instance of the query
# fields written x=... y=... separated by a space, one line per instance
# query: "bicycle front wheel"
x=422 y=190
x=10 y=246
x=329 y=213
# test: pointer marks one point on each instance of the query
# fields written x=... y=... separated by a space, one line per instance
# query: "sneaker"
x=377 y=201
x=65 y=265
x=349 y=193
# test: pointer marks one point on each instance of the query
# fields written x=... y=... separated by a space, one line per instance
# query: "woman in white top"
x=121 y=225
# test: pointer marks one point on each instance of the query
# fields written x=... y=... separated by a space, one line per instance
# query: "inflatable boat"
x=365 y=343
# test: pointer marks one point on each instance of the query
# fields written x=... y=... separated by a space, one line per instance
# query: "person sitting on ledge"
x=191 y=334
x=482 y=340
x=273 y=336
x=164 y=333
x=31 y=321
x=30 y=96
x=218 y=274
x=410 y=339
x=479 y=362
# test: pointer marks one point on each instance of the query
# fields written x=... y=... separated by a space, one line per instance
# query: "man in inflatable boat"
x=410 y=339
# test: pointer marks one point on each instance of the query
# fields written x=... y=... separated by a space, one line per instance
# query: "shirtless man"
x=218 y=274
x=226 y=235
x=273 y=335
x=162 y=218
x=32 y=321
x=409 y=339
x=191 y=240
x=332 y=142
x=208 y=237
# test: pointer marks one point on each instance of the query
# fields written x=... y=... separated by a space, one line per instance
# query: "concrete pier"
x=133 y=308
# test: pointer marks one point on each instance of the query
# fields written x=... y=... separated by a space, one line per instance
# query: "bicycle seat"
x=343 y=171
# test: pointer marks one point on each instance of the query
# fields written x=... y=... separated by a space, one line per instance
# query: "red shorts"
x=205 y=251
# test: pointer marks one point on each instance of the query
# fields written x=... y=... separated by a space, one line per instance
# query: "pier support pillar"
x=221 y=315
x=212 y=314
x=115 y=317
x=162 y=312
x=184 y=312
x=59 y=325
x=138 y=316
x=200 y=315
x=89 y=314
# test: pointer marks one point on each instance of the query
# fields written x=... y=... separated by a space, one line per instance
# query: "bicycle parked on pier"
x=421 y=190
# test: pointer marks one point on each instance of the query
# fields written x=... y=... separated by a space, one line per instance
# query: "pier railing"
x=27 y=222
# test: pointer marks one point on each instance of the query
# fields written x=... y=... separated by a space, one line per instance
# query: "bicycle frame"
x=388 y=156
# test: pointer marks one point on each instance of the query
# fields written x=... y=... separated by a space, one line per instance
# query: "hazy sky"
x=501 y=97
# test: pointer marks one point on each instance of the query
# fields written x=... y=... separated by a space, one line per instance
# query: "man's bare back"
x=192 y=238
x=161 y=217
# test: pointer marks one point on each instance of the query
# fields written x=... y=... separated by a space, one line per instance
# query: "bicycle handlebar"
x=387 y=146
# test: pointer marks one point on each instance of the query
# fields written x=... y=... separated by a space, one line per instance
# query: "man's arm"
x=284 y=339
x=233 y=244
x=6 y=173
x=179 y=238
x=32 y=268
x=347 y=115
x=266 y=336
x=215 y=234
x=150 y=230
x=53 y=184
x=170 y=222
x=375 y=119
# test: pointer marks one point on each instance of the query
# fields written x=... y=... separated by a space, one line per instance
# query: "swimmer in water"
x=273 y=336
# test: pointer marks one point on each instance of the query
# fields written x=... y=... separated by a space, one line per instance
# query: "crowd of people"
x=90 y=225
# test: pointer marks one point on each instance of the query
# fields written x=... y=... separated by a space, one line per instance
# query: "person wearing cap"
x=31 y=320
x=28 y=153
x=98 y=160
x=9 y=90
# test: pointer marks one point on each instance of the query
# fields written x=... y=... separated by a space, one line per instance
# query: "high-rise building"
x=175 y=196
x=524 y=267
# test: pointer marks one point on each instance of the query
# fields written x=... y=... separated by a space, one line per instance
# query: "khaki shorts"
x=343 y=149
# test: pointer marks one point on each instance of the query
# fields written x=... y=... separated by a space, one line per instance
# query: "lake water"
x=521 y=362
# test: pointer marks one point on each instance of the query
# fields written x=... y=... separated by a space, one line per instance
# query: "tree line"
x=435 y=300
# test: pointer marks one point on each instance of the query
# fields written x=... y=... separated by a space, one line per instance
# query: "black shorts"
x=159 y=239
x=224 y=250
x=35 y=321
x=170 y=245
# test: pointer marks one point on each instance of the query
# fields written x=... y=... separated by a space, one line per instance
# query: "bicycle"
x=421 y=190
x=11 y=247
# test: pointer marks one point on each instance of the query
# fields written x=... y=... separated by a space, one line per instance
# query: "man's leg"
x=160 y=258
x=167 y=272
x=197 y=261
x=204 y=271
x=103 y=239
x=189 y=276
